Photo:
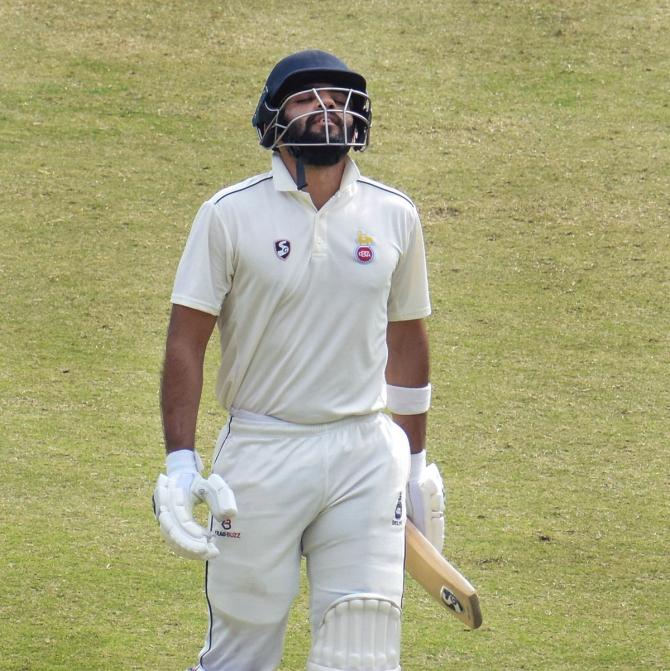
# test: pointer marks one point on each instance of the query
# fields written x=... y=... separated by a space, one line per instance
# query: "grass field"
x=534 y=138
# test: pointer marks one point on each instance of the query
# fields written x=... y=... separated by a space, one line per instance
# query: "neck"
x=323 y=181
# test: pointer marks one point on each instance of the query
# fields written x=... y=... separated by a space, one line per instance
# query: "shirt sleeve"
x=409 y=297
x=205 y=271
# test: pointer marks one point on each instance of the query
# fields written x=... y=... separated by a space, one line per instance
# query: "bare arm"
x=408 y=366
x=188 y=334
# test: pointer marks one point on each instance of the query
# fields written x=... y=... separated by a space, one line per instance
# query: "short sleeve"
x=205 y=270
x=409 y=297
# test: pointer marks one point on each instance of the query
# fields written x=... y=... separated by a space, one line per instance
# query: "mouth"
x=320 y=121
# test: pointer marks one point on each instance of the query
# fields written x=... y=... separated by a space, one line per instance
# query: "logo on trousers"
x=225 y=530
x=397 y=515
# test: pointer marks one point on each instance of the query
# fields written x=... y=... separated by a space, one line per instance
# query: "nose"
x=327 y=99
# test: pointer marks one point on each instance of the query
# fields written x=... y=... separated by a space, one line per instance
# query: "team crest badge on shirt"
x=364 y=252
x=282 y=249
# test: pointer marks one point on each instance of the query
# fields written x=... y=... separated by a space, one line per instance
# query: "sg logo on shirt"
x=282 y=249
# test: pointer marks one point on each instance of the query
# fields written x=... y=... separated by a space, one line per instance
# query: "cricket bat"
x=440 y=579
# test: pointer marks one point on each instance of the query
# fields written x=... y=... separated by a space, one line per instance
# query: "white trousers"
x=333 y=493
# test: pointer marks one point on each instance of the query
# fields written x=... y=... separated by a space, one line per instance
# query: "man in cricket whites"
x=316 y=279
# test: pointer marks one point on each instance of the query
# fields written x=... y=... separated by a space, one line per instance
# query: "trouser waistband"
x=253 y=421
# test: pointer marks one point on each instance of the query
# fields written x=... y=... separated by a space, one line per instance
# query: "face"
x=316 y=116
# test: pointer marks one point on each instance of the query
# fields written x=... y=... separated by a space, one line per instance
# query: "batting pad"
x=359 y=632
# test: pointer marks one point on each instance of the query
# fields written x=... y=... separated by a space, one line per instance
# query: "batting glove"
x=426 y=499
x=174 y=497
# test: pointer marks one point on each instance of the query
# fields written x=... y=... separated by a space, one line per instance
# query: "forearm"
x=415 y=428
x=409 y=366
x=181 y=389
x=181 y=384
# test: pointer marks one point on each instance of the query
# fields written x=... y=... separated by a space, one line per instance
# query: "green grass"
x=534 y=138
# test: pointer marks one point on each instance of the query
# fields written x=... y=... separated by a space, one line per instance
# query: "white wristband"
x=408 y=400
x=181 y=460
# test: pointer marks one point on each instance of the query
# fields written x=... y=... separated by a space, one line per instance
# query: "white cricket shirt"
x=303 y=296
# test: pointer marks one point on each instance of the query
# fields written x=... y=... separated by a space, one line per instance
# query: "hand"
x=425 y=500
x=174 y=497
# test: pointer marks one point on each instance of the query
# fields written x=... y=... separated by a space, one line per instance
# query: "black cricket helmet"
x=313 y=70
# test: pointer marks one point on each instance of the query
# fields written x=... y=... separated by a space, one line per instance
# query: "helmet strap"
x=300 y=180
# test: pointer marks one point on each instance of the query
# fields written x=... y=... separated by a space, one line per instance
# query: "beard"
x=317 y=155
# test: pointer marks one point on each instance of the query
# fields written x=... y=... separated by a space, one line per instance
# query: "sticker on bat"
x=450 y=601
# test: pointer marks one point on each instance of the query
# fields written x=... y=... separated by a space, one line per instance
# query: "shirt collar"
x=283 y=181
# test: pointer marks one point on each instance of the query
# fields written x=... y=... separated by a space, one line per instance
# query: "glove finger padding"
x=173 y=505
x=216 y=494
x=425 y=505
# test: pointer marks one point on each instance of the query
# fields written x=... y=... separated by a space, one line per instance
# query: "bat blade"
x=445 y=583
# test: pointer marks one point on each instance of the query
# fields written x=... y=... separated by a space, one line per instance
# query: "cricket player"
x=316 y=279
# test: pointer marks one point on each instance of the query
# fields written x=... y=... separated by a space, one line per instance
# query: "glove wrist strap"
x=417 y=465
x=181 y=461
